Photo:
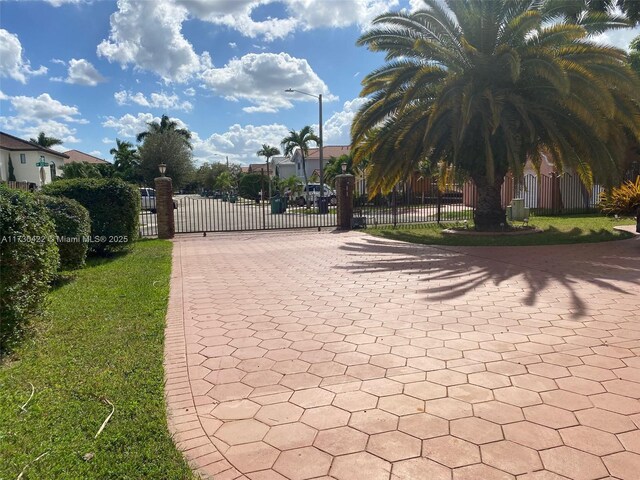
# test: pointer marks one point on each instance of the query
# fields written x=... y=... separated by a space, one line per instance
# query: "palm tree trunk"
x=489 y=216
x=306 y=181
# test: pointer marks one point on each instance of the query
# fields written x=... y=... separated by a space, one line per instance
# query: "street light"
x=319 y=98
x=163 y=168
x=225 y=156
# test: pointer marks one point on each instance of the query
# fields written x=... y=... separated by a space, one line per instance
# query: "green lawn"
x=556 y=230
x=101 y=339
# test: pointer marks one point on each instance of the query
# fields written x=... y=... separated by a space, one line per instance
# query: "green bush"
x=73 y=227
x=28 y=260
x=114 y=208
x=251 y=184
x=622 y=200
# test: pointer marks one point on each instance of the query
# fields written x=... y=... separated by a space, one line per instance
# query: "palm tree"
x=580 y=10
x=166 y=124
x=45 y=141
x=125 y=156
x=486 y=85
x=268 y=151
x=126 y=160
x=300 y=140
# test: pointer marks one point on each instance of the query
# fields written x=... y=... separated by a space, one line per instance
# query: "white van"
x=148 y=199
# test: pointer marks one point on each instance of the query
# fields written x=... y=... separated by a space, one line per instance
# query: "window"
x=152 y=193
x=23 y=158
x=52 y=168
x=42 y=158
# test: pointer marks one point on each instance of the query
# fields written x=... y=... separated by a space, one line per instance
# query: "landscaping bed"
x=99 y=344
x=555 y=231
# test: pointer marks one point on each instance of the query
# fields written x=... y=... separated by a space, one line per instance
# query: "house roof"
x=11 y=143
x=329 y=151
x=76 y=156
x=258 y=167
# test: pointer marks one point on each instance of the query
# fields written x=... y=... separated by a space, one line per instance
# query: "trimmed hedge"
x=28 y=260
x=73 y=228
x=113 y=205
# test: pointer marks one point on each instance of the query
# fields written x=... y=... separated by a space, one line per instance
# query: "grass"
x=102 y=338
x=556 y=231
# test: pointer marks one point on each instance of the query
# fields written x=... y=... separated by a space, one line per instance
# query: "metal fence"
x=148 y=223
x=196 y=214
x=417 y=201
x=553 y=194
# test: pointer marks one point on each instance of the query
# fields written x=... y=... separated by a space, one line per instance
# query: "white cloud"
x=107 y=140
x=160 y=100
x=149 y=36
x=82 y=72
x=3 y=96
x=618 y=38
x=130 y=126
x=301 y=15
x=42 y=114
x=190 y=92
x=337 y=129
x=261 y=79
x=12 y=63
x=239 y=142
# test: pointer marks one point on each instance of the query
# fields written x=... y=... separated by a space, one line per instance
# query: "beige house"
x=288 y=166
x=31 y=163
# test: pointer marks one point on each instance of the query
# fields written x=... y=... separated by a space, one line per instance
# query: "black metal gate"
x=196 y=214
x=411 y=202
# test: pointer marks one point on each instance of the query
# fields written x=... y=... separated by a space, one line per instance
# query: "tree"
x=126 y=161
x=166 y=125
x=634 y=54
x=484 y=86
x=268 y=152
x=45 y=141
x=300 y=140
x=166 y=147
x=580 y=10
x=81 y=170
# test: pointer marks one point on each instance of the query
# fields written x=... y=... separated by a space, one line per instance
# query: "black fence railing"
x=148 y=222
x=411 y=202
x=195 y=214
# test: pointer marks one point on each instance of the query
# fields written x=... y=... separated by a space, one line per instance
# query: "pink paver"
x=300 y=355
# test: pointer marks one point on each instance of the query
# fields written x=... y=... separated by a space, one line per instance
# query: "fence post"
x=345 y=185
x=394 y=206
x=438 y=205
x=164 y=207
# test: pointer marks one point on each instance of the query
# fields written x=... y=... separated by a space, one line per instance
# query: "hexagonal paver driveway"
x=299 y=355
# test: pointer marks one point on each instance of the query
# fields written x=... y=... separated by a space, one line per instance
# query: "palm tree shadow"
x=452 y=272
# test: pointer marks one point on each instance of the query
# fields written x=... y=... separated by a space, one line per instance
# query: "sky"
x=91 y=71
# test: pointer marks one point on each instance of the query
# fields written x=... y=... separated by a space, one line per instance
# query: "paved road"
x=338 y=355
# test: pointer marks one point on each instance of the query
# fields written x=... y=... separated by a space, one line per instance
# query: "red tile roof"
x=9 y=142
x=330 y=151
x=76 y=156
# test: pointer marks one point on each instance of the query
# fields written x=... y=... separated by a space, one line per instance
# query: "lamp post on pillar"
x=319 y=98
x=164 y=204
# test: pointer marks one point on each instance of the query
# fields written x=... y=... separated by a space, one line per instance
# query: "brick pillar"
x=345 y=186
x=164 y=207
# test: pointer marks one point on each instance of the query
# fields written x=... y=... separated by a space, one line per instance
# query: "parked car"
x=314 y=195
x=148 y=199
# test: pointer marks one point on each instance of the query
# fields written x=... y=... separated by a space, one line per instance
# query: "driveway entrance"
x=304 y=355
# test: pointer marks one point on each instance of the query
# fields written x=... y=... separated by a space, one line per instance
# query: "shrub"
x=113 y=205
x=251 y=184
x=73 y=227
x=622 y=200
x=28 y=260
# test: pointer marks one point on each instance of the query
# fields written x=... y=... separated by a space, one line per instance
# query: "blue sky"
x=93 y=71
